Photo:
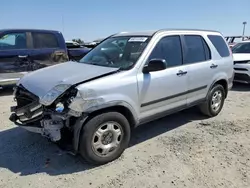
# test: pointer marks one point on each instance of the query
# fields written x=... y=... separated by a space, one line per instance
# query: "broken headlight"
x=54 y=93
x=59 y=107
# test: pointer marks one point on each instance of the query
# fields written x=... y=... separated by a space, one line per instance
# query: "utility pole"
x=63 y=23
x=244 y=27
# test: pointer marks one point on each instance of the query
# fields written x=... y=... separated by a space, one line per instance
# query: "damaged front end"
x=49 y=120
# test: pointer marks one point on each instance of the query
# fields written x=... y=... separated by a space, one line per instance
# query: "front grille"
x=28 y=106
x=240 y=69
x=241 y=62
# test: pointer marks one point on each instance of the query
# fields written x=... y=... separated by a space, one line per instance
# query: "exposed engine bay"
x=58 y=107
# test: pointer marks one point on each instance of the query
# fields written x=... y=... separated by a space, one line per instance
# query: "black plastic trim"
x=240 y=69
x=173 y=96
x=171 y=111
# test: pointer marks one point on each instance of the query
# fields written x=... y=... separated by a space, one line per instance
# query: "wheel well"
x=121 y=109
x=224 y=84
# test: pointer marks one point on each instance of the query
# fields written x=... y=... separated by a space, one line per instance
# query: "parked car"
x=72 y=44
x=233 y=40
x=25 y=50
x=129 y=79
x=241 y=54
x=76 y=51
x=93 y=44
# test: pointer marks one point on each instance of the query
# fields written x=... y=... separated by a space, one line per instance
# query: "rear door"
x=47 y=49
x=14 y=54
x=197 y=58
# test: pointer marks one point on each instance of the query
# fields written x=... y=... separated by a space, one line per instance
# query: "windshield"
x=118 y=52
x=241 y=48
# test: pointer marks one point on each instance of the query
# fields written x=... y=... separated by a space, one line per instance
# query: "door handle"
x=22 y=56
x=181 y=73
x=213 y=66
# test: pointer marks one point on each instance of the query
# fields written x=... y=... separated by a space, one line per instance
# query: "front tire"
x=215 y=102
x=104 y=138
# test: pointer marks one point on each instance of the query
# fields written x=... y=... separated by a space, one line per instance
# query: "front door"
x=164 y=90
x=13 y=55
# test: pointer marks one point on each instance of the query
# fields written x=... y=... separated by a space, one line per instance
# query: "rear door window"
x=13 y=41
x=196 y=49
x=44 y=40
x=220 y=45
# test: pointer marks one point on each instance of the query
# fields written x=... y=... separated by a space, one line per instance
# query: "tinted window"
x=44 y=40
x=73 y=45
x=13 y=41
x=220 y=45
x=168 y=48
x=196 y=49
x=69 y=44
x=207 y=50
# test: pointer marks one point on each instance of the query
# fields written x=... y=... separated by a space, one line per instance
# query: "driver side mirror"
x=155 y=65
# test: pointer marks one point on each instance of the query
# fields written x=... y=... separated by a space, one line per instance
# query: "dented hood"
x=41 y=81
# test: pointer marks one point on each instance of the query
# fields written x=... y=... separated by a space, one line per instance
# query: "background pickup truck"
x=25 y=50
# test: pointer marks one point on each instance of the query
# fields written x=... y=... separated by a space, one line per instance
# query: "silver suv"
x=127 y=80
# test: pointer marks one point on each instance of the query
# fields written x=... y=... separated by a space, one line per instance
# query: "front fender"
x=77 y=131
x=82 y=120
x=113 y=104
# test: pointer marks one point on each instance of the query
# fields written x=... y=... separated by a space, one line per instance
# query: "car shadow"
x=241 y=87
x=165 y=124
x=28 y=153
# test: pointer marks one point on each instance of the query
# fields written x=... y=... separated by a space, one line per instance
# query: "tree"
x=78 y=41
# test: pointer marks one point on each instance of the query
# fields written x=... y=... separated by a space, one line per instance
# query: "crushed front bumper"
x=32 y=116
x=50 y=128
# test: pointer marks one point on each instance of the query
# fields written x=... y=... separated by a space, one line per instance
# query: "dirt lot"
x=181 y=150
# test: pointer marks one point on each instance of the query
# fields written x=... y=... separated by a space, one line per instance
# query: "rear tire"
x=104 y=138
x=215 y=101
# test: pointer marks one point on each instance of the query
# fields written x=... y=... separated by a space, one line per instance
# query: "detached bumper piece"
x=28 y=107
x=22 y=117
x=27 y=113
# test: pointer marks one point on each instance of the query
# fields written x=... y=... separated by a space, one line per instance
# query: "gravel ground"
x=181 y=150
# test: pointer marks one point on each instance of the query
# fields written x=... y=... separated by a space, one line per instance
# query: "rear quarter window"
x=220 y=45
x=45 y=40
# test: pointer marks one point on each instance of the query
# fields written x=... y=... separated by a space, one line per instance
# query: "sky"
x=94 y=19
